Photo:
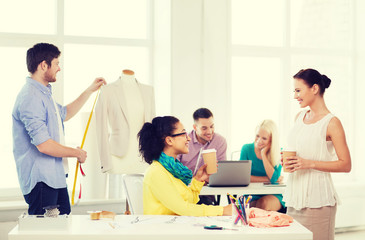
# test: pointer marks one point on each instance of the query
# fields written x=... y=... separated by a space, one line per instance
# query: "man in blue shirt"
x=38 y=138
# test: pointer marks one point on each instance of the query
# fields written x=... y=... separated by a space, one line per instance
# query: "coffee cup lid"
x=209 y=150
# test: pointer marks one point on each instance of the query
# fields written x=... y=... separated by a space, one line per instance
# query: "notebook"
x=231 y=174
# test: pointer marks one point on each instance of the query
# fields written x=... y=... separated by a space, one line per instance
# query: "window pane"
x=253 y=24
x=321 y=24
x=14 y=75
x=108 y=18
x=255 y=96
x=24 y=16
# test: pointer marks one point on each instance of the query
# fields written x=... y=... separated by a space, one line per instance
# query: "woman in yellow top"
x=168 y=186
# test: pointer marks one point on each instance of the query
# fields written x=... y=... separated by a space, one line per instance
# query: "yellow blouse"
x=163 y=194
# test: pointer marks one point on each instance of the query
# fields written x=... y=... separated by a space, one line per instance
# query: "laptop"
x=231 y=174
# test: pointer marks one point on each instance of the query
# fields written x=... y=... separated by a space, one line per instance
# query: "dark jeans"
x=44 y=196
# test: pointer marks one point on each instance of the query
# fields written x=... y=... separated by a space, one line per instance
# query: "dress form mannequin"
x=122 y=108
x=131 y=162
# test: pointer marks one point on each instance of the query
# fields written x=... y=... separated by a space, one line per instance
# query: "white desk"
x=253 y=188
x=149 y=227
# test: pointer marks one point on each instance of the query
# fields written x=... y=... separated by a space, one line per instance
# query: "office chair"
x=133 y=185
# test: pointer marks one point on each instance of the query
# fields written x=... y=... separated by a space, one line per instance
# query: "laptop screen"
x=231 y=173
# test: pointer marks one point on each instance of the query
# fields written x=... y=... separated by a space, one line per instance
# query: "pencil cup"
x=239 y=218
x=236 y=221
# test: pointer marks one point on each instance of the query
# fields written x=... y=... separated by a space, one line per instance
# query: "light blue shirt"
x=34 y=122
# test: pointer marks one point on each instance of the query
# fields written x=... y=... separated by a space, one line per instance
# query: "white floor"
x=350 y=235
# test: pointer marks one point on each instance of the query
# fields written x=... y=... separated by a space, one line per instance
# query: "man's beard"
x=49 y=78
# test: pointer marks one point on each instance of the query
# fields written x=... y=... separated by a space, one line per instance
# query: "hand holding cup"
x=286 y=154
x=210 y=158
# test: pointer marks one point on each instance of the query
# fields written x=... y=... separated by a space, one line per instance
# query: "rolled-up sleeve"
x=33 y=115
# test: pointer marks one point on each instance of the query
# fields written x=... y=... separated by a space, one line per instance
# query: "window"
x=110 y=18
x=249 y=95
x=96 y=38
x=270 y=46
x=255 y=25
x=21 y=16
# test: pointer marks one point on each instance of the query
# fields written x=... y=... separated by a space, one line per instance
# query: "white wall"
x=186 y=59
x=199 y=55
x=359 y=92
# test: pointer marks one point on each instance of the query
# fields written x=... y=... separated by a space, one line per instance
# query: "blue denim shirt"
x=34 y=122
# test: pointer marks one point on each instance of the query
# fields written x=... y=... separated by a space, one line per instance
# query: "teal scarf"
x=176 y=168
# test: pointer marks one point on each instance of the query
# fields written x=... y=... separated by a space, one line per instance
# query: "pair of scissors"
x=215 y=227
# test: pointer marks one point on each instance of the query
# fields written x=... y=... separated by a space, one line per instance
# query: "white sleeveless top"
x=310 y=188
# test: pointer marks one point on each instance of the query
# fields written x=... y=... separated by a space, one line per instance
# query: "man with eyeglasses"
x=203 y=137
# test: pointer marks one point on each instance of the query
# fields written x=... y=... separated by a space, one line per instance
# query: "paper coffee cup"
x=287 y=153
x=210 y=158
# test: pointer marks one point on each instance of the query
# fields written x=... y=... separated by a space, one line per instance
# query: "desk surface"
x=160 y=228
x=253 y=188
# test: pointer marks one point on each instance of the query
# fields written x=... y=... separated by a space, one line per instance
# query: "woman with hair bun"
x=320 y=143
x=169 y=187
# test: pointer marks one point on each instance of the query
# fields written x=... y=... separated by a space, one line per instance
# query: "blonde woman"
x=265 y=156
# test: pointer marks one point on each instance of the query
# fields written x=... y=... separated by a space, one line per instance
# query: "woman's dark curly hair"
x=152 y=137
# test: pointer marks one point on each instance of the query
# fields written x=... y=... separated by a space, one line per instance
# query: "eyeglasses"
x=179 y=134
